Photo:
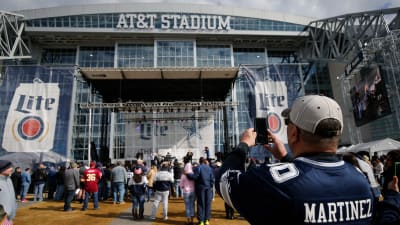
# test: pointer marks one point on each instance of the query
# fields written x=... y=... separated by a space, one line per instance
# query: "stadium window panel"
x=87 y=21
x=58 y=56
x=95 y=21
x=213 y=56
x=73 y=21
x=96 y=57
x=275 y=57
x=43 y=22
x=252 y=56
x=175 y=53
x=135 y=55
x=65 y=21
x=106 y=20
x=58 y=22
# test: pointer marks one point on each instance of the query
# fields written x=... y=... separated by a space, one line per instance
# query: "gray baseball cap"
x=308 y=111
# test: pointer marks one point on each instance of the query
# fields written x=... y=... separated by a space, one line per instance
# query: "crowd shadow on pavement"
x=50 y=212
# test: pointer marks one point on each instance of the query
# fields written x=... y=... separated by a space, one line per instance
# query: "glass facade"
x=242 y=23
x=102 y=57
x=135 y=55
x=111 y=20
x=243 y=56
x=175 y=53
x=214 y=56
x=97 y=125
x=58 y=56
x=281 y=57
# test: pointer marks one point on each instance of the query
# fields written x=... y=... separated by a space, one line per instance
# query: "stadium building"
x=122 y=81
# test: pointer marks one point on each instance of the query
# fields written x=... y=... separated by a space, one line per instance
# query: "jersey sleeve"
x=254 y=193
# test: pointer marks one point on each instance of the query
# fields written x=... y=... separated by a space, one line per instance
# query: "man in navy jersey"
x=312 y=186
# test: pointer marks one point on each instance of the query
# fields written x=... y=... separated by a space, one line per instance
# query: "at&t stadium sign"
x=173 y=21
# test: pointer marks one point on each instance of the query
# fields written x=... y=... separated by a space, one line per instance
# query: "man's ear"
x=293 y=133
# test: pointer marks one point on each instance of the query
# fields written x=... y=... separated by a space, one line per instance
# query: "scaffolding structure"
x=342 y=37
x=357 y=40
x=12 y=44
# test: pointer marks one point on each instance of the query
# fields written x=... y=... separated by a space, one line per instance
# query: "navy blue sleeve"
x=196 y=173
x=235 y=160
x=287 y=158
x=388 y=211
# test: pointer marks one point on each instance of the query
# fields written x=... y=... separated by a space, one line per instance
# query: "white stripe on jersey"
x=225 y=186
x=324 y=164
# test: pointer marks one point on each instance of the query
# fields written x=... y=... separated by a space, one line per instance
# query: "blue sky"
x=310 y=8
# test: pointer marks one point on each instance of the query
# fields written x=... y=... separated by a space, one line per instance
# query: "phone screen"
x=397 y=169
x=261 y=127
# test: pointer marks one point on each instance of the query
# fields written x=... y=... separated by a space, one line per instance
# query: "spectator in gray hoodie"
x=118 y=179
x=71 y=184
x=7 y=194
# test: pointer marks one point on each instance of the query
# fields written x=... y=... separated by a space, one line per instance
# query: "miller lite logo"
x=274 y=122
x=271 y=100
x=31 y=120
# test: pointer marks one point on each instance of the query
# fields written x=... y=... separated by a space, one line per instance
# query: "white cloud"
x=310 y=8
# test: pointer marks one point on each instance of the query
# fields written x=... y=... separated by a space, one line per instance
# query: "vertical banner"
x=271 y=100
x=32 y=117
x=35 y=114
x=267 y=91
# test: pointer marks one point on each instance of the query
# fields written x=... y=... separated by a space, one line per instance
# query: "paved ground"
x=51 y=213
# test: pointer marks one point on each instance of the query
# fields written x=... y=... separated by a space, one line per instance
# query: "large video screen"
x=369 y=96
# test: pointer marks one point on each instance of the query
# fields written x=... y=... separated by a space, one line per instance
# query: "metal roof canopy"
x=161 y=84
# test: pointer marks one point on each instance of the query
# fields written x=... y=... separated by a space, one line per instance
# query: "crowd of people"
x=135 y=181
x=308 y=184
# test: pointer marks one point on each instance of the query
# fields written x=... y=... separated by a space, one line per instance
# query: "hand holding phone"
x=261 y=127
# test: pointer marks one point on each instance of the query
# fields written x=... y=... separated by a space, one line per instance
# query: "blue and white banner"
x=35 y=113
x=174 y=137
x=32 y=118
x=270 y=90
x=271 y=100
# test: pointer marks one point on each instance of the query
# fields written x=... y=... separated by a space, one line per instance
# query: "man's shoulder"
x=117 y=168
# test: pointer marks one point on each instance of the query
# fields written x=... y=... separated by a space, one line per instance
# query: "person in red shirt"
x=91 y=177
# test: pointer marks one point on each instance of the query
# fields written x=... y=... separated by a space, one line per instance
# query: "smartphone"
x=261 y=127
x=397 y=169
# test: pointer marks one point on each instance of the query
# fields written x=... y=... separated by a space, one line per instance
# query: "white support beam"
x=12 y=45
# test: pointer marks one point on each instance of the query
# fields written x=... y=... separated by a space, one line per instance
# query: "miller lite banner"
x=35 y=113
x=271 y=100
x=269 y=89
x=32 y=116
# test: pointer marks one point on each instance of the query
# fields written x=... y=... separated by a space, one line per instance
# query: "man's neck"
x=304 y=149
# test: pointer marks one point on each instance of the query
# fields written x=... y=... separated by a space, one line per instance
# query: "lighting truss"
x=178 y=106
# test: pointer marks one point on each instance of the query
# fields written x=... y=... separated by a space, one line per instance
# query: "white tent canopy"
x=382 y=146
x=28 y=159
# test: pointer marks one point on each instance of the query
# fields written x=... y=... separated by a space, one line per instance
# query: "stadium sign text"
x=173 y=21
